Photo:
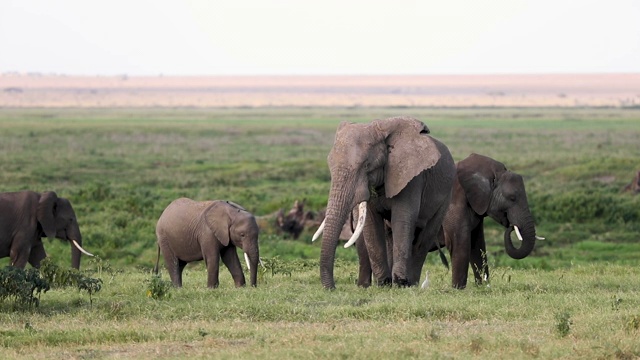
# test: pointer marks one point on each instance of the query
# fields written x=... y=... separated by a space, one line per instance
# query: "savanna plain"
x=576 y=296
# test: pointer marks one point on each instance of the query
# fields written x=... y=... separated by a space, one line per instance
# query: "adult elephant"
x=26 y=217
x=484 y=187
x=191 y=230
x=391 y=169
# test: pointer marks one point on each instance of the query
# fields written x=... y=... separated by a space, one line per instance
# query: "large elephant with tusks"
x=393 y=170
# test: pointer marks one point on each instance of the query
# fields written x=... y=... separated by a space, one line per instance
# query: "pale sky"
x=326 y=37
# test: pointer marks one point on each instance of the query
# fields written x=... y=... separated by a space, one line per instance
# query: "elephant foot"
x=384 y=282
x=401 y=282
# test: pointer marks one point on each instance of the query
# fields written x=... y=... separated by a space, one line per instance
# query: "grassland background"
x=121 y=167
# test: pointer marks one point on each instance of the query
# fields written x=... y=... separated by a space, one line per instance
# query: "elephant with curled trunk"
x=191 y=230
x=484 y=187
x=26 y=217
x=393 y=170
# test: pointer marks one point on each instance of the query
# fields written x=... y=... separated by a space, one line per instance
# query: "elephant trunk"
x=254 y=260
x=338 y=207
x=528 y=232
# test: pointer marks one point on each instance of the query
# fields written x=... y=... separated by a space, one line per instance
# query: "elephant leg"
x=231 y=260
x=374 y=235
x=459 y=251
x=426 y=239
x=364 y=274
x=478 y=254
x=37 y=255
x=212 y=261
x=171 y=262
x=181 y=265
x=20 y=252
x=403 y=225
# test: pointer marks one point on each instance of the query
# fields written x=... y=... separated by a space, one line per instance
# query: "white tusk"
x=362 y=216
x=319 y=231
x=518 y=232
x=539 y=238
x=81 y=249
x=246 y=258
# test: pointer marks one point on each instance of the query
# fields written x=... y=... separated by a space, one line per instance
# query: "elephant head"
x=57 y=219
x=492 y=190
x=367 y=161
x=231 y=223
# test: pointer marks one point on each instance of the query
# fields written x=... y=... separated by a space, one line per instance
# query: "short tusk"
x=539 y=238
x=362 y=216
x=518 y=232
x=246 y=258
x=81 y=249
x=319 y=231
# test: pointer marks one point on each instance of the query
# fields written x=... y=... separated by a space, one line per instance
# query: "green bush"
x=586 y=206
x=158 y=288
x=22 y=287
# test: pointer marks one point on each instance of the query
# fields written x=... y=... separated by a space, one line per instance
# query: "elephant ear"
x=217 y=218
x=410 y=151
x=46 y=213
x=477 y=174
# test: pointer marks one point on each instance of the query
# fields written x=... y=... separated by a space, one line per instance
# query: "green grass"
x=586 y=311
x=575 y=297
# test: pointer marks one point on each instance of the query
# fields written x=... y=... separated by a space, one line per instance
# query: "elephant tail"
x=155 y=269
x=443 y=258
x=439 y=243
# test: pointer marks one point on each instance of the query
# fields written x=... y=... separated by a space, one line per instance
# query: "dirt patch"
x=611 y=90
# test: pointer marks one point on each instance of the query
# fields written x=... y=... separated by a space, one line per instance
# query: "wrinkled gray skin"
x=484 y=187
x=26 y=217
x=191 y=230
x=406 y=177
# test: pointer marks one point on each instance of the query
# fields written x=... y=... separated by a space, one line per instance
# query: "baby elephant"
x=191 y=230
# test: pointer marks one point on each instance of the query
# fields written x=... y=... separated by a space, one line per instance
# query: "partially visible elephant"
x=26 y=217
x=191 y=230
x=484 y=187
x=392 y=170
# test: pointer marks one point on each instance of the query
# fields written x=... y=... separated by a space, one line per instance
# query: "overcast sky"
x=290 y=37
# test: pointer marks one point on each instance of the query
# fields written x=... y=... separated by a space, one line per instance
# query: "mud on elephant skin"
x=391 y=170
x=191 y=230
x=484 y=187
x=27 y=216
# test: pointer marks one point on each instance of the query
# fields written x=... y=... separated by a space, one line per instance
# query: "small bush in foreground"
x=21 y=286
x=158 y=288
x=59 y=277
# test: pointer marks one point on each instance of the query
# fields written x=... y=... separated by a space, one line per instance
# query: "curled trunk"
x=528 y=242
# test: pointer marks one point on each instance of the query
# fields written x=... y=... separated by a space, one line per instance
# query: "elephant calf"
x=191 y=230
x=484 y=187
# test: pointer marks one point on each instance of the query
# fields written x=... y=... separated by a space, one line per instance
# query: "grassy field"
x=576 y=296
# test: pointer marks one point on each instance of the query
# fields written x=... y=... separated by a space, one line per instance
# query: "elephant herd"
x=401 y=184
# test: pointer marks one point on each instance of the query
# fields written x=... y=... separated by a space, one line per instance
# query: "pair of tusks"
x=81 y=249
x=520 y=235
x=362 y=216
x=246 y=258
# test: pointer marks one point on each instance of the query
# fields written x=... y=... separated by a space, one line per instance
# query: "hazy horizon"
x=319 y=38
